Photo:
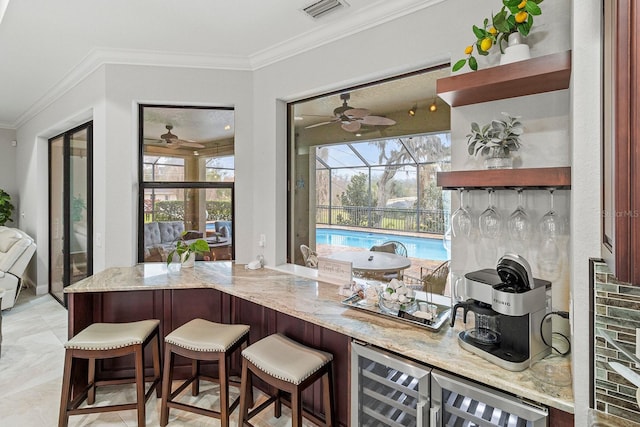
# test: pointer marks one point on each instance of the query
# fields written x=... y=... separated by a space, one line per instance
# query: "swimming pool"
x=417 y=247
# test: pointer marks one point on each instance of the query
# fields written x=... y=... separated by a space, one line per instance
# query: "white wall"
x=586 y=180
x=110 y=97
x=116 y=189
x=79 y=105
x=8 y=169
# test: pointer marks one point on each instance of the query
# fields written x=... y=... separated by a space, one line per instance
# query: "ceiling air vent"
x=322 y=7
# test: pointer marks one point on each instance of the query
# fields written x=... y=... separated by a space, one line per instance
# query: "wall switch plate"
x=262 y=241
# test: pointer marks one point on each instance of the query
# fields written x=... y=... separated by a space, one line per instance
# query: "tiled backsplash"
x=616 y=310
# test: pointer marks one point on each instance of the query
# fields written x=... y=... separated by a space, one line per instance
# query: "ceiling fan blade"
x=377 y=121
x=356 y=113
x=189 y=144
x=320 y=124
x=351 y=127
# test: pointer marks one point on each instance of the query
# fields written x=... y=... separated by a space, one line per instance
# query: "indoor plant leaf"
x=479 y=32
x=473 y=64
x=459 y=64
x=533 y=8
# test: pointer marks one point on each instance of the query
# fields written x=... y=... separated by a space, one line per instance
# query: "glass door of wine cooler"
x=459 y=403
x=387 y=390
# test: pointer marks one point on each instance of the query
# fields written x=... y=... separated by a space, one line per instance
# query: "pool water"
x=417 y=247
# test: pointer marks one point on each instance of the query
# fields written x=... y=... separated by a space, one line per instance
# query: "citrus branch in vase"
x=515 y=16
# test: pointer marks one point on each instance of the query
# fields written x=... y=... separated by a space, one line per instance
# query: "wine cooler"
x=388 y=390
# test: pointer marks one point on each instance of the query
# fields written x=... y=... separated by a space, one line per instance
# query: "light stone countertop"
x=320 y=303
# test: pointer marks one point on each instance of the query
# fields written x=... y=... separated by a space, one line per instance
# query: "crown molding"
x=375 y=14
x=100 y=56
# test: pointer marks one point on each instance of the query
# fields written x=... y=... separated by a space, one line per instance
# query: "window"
x=187 y=180
x=365 y=160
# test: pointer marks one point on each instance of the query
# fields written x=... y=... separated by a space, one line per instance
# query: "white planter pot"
x=517 y=50
x=188 y=261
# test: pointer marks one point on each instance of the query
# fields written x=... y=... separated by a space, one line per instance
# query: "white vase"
x=517 y=50
x=188 y=261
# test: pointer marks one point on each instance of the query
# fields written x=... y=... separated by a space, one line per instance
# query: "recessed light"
x=358 y=134
x=298 y=118
x=227 y=127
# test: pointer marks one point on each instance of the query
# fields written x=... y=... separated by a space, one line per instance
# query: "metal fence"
x=413 y=220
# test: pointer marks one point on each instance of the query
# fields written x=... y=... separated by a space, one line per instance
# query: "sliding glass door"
x=70 y=209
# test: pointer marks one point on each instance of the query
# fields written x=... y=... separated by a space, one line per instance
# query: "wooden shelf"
x=537 y=75
x=506 y=178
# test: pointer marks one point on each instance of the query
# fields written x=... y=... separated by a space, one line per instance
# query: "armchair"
x=16 y=250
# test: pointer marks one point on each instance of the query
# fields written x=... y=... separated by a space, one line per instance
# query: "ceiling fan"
x=171 y=140
x=352 y=119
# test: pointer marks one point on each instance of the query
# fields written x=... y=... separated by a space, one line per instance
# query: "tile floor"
x=31 y=362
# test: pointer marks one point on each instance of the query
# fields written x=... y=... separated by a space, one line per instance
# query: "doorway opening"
x=70 y=209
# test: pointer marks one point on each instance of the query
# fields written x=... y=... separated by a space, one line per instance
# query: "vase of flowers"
x=496 y=141
x=515 y=17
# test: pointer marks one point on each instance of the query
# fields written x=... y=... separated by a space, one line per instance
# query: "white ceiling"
x=47 y=44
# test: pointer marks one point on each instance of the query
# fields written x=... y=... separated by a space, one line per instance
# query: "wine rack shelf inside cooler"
x=387 y=394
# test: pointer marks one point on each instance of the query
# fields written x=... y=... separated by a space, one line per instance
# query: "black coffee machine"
x=508 y=306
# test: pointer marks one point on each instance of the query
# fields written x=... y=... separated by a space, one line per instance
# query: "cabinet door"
x=621 y=153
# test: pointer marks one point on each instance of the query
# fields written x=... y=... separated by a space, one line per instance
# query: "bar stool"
x=288 y=366
x=104 y=341
x=199 y=340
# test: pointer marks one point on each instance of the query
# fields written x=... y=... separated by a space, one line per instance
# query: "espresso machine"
x=509 y=306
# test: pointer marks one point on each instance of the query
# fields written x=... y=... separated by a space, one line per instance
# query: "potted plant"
x=515 y=17
x=6 y=208
x=496 y=140
x=187 y=251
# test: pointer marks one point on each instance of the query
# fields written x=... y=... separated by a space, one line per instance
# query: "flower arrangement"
x=184 y=250
x=498 y=138
x=514 y=16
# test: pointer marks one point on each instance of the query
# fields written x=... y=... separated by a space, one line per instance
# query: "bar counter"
x=319 y=303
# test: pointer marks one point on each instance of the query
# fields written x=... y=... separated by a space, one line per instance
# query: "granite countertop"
x=298 y=293
x=600 y=419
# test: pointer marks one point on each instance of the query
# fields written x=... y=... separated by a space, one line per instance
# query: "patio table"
x=373 y=262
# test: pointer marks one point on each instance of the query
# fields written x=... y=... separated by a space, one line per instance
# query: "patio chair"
x=309 y=256
x=435 y=280
x=392 y=247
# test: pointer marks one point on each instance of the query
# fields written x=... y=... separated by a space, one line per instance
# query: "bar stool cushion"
x=286 y=359
x=203 y=335
x=109 y=336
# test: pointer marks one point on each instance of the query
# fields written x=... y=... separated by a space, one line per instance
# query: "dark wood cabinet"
x=621 y=151
x=176 y=307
